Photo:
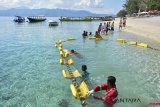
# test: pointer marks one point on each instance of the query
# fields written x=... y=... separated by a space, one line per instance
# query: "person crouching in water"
x=111 y=92
x=97 y=35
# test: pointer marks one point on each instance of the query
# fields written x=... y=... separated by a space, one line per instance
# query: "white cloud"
x=47 y=4
x=97 y=2
x=88 y=3
x=31 y=3
x=104 y=11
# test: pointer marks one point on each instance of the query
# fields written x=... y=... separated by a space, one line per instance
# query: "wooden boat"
x=36 y=18
x=53 y=23
x=19 y=19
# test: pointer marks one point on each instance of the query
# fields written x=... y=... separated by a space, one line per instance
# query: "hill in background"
x=48 y=12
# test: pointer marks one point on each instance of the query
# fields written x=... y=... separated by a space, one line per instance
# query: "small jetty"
x=19 y=19
x=36 y=18
x=90 y=18
x=68 y=19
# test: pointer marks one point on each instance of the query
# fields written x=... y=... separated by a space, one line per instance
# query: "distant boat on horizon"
x=68 y=19
x=36 y=18
x=88 y=19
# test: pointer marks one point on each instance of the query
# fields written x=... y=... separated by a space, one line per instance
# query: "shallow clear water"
x=30 y=73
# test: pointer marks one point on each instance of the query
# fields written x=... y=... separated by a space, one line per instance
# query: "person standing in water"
x=111 y=92
x=99 y=29
x=107 y=26
x=85 y=34
x=124 y=21
x=104 y=28
x=112 y=26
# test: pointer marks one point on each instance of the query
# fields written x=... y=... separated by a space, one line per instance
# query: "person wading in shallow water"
x=97 y=35
x=111 y=92
x=85 y=74
x=73 y=52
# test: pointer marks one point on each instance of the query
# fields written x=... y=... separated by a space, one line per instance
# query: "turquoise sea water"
x=31 y=76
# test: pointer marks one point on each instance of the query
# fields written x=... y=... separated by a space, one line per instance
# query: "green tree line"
x=133 y=6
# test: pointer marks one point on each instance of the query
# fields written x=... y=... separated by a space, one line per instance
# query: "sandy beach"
x=147 y=27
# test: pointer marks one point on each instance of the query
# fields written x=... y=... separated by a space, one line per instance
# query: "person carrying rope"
x=111 y=92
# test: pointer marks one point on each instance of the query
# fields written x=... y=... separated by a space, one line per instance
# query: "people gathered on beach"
x=122 y=22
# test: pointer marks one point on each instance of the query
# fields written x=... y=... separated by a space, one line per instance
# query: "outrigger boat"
x=36 y=18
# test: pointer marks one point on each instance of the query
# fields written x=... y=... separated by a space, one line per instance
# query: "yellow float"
x=99 y=39
x=68 y=74
x=60 y=48
x=63 y=62
x=121 y=40
x=83 y=90
x=132 y=43
x=94 y=38
x=70 y=39
x=60 y=45
x=56 y=45
x=142 y=45
x=70 y=61
x=61 y=54
x=66 y=53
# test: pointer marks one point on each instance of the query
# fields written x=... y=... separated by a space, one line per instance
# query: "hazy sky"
x=96 y=6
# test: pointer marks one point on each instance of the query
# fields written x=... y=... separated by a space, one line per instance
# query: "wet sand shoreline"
x=145 y=27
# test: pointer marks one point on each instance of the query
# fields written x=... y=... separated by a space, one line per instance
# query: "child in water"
x=97 y=35
x=85 y=74
x=73 y=52
x=90 y=33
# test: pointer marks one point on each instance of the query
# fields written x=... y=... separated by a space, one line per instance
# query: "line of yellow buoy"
x=79 y=91
x=144 y=45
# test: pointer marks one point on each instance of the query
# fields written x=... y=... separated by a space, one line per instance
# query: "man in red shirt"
x=111 y=92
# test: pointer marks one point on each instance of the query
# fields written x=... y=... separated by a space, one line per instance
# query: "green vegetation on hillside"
x=133 y=6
